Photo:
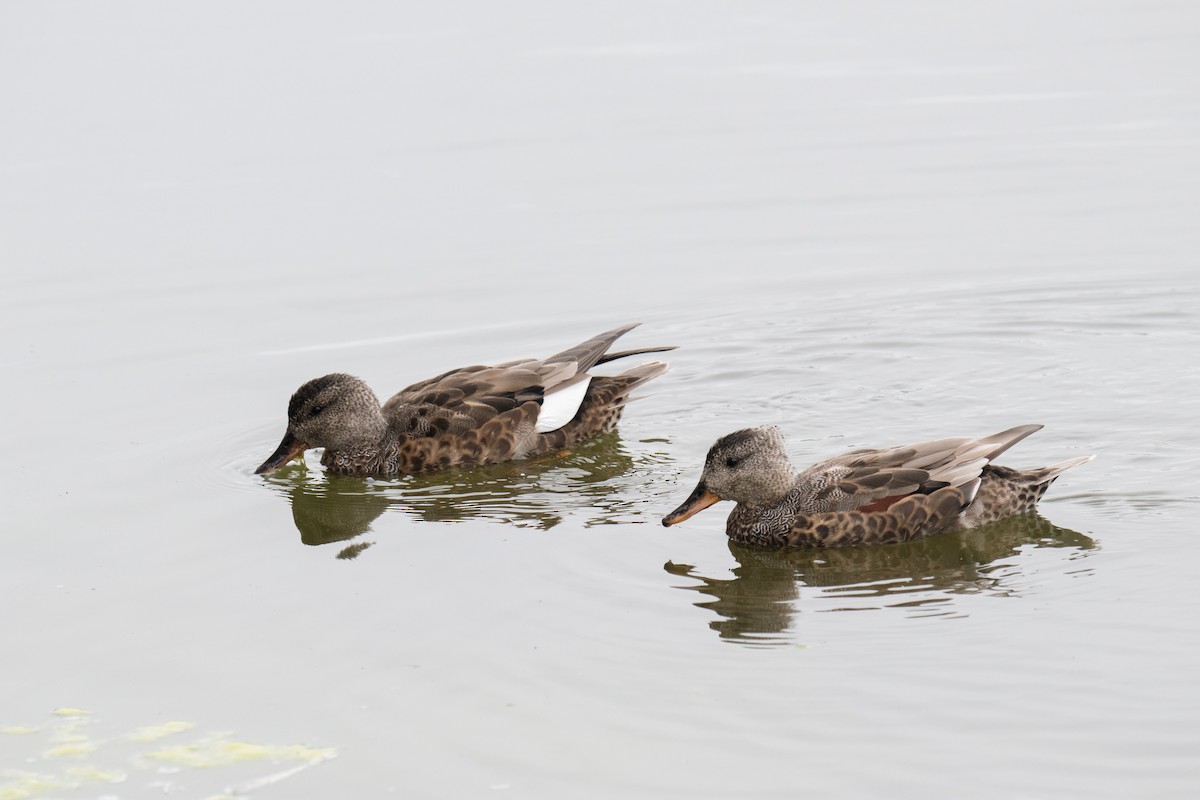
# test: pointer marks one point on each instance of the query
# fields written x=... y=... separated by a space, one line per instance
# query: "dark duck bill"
x=288 y=449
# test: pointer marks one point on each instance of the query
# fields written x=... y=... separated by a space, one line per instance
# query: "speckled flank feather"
x=472 y=415
x=911 y=518
x=876 y=496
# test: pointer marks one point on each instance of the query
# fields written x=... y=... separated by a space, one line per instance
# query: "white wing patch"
x=560 y=406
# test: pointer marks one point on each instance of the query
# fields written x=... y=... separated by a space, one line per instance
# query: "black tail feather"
x=626 y=353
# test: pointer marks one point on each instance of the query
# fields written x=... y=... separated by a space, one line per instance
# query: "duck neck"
x=770 y=489
x=368 y=451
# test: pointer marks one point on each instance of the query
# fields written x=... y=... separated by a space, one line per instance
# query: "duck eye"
x=315 y=410
x=732 y=462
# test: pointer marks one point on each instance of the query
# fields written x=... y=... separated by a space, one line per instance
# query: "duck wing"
x=874 y=479
x=469 y=397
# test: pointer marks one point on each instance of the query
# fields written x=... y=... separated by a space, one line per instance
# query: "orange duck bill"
x=288 y=449
x=699 y=500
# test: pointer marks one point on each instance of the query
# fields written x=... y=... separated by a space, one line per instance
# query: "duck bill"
x=288 y=449
x=699 y=500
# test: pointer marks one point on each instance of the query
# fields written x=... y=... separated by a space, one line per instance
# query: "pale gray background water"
x=867 y=222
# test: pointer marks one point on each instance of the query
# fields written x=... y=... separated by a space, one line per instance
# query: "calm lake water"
x=867 y=223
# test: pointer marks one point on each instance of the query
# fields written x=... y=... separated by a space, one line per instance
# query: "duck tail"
x=617 y=388
x=642 y=373
x=1048 y=474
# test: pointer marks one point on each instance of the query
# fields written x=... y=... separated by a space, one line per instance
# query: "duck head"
x=337 y=412
x=749 y=466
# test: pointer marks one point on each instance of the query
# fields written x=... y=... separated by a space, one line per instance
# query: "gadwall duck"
x=866 y=496
x=472 y=415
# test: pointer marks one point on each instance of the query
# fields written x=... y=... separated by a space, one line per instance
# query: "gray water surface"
x=867 y=223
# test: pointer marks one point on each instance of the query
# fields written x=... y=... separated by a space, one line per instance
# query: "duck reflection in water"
x=758 y=604
x=599 y=478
